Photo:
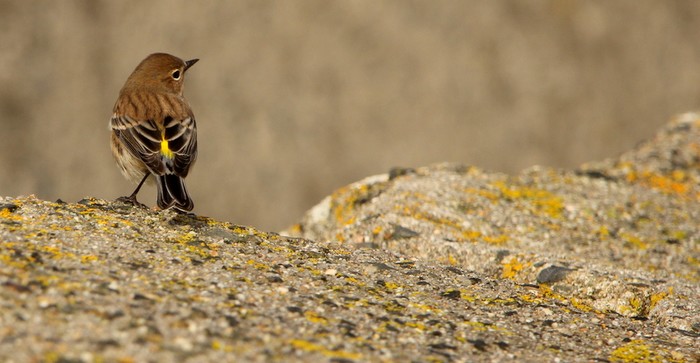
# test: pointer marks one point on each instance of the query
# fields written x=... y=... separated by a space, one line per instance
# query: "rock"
x=439 y=263
x=618 y=236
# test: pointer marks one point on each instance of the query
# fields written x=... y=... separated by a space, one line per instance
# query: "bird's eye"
x=176 y=74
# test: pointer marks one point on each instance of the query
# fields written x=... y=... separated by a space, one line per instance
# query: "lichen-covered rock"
x=615 y=237
x=442 y=263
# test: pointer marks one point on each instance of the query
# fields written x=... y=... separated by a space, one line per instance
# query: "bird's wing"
x=141 y=138
x=181 y=135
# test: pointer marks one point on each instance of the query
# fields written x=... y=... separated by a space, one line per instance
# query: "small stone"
x=295 y=309
x=402 y=232
x=479 y=344
x=696 y=327
x=552 y=274
x=274 y=278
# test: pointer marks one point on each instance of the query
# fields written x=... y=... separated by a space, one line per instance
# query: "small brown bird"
x=154 y=131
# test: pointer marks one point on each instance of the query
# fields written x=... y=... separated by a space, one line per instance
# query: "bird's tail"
x=173 y=194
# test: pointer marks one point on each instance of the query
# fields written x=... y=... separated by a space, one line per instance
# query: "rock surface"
x=441 y=263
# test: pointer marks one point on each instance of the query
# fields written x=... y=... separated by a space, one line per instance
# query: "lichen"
x=640 y=351
x=308 y=346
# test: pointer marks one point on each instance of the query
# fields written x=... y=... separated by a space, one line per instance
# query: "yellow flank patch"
x=165 y=150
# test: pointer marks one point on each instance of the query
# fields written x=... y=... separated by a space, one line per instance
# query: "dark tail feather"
x=172 y=193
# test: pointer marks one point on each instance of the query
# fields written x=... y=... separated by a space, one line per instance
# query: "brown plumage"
x=154 y=131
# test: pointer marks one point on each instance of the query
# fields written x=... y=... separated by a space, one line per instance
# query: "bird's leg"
x=132 y=198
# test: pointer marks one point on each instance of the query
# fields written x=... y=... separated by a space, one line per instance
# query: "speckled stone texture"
x=441 y=263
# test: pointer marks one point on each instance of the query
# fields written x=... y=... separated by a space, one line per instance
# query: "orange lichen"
x=676 y=182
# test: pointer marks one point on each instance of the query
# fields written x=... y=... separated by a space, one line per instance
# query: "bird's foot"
x=131 y=200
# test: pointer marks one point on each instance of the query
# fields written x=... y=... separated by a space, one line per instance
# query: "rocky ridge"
x=440 y=263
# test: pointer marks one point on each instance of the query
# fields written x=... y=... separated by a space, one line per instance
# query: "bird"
x=153 y=130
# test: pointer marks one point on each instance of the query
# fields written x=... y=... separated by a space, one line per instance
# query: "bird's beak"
x=190 y=63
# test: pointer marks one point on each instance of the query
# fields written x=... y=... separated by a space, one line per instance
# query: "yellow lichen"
x=547 y=292
x=7 y=215
x=496 y=240
x=512 y=268
x=693 y=261
x=657 y=297
x=451 y=260
x=88 y=258
x=476 y=325
x=635 y=307
x=492 y=196
x=678 y=235
x=465 y=296
x=258 y=265
x=579 y=304
x=315 y=318
x=239 y=230
x=639 y=351
x=391 y=286
x=308 y=346
x=424 y=308
x=346 y=199
x=354 y=281
x=634 y=241
x=393 y=307
x=417 y=326
x=470 y=235
x=541 y=200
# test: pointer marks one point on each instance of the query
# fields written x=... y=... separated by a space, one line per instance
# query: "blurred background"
x=297 y=98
